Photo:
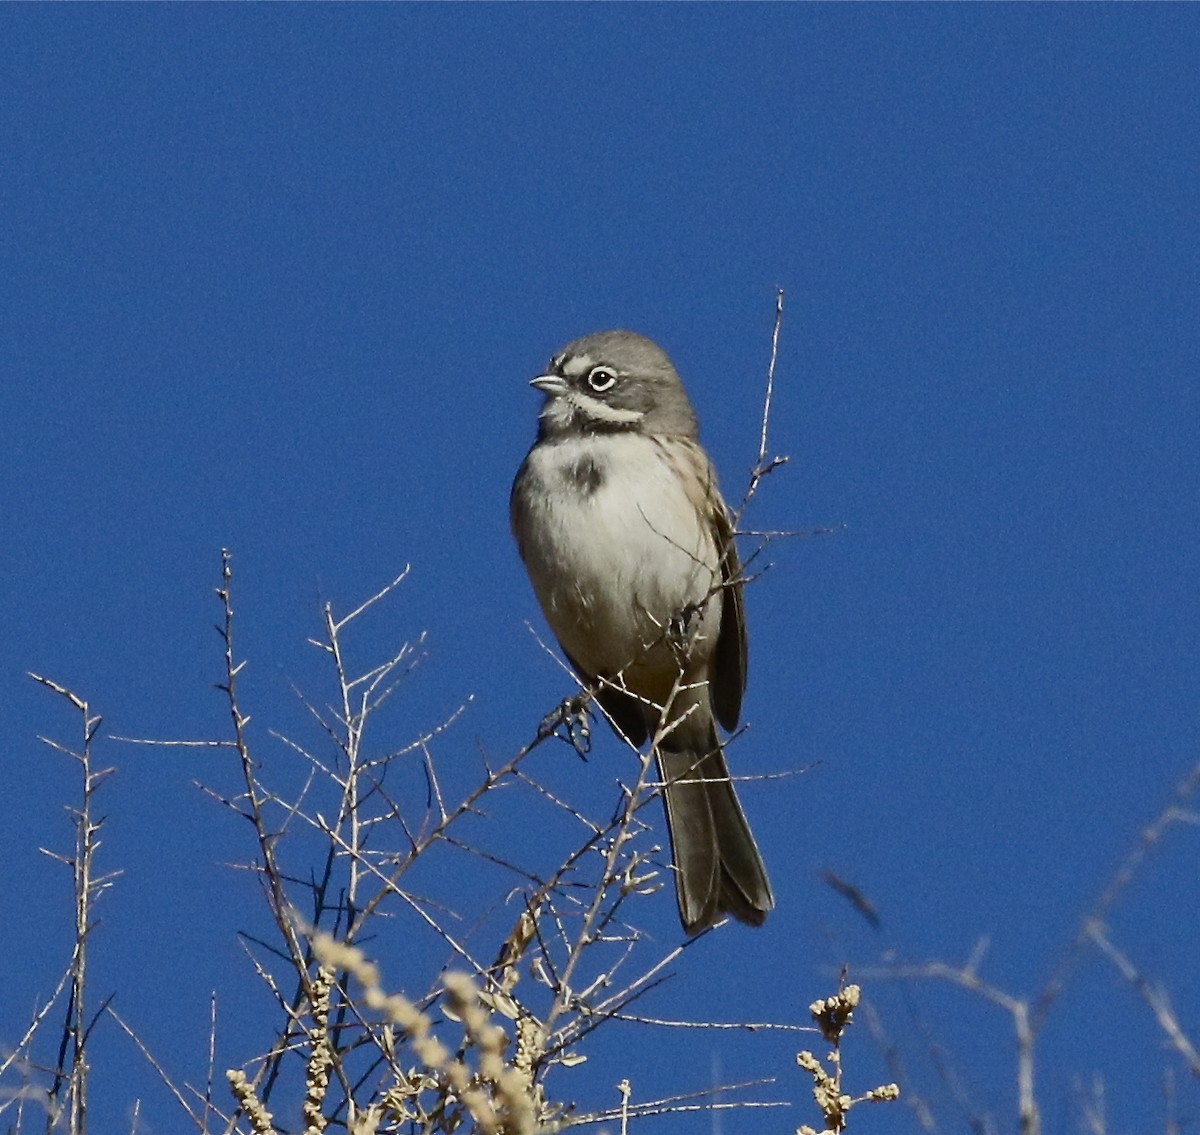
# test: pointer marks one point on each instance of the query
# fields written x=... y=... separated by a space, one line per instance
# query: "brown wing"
x=727 y=682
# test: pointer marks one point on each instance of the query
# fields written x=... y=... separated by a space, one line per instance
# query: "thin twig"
x=72 y=1066
x=148 y=1056
x=1018 y=1010
x=1174 y=812
x=766 y=417
x=1154 y=997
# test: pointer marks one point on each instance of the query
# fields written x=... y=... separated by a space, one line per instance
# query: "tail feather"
x=718 y=867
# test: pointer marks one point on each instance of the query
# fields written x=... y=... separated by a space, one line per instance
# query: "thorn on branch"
x=765 y=467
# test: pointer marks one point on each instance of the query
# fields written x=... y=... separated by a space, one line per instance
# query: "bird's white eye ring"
x=601 y=379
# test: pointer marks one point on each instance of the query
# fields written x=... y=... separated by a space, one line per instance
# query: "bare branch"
x=1154 y=997
x=1173 y=813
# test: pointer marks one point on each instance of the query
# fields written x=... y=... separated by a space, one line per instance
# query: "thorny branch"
x=70 y=1085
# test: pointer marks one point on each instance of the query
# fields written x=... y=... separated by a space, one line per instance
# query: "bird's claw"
x=570 y=721
x=681 y=628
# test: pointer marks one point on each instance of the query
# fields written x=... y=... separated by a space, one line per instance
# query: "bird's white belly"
x=615 y=555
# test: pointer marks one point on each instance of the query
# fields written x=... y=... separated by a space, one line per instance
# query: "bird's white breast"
x=615 y=546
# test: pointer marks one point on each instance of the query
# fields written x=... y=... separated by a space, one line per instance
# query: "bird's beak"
x=551 y=384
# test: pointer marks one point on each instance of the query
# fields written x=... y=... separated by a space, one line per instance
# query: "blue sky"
x=275 y=278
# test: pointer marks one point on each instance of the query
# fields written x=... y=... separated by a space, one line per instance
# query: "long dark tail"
x=718 y=868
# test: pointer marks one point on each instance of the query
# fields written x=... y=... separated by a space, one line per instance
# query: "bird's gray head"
x=611 y=381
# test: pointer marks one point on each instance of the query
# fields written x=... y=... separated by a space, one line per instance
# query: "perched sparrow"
x=630 y=550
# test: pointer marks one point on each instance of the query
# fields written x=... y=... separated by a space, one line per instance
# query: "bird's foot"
x=682 y=628
x=570 y=722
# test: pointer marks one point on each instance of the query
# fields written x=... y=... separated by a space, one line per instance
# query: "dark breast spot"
x=586 y=475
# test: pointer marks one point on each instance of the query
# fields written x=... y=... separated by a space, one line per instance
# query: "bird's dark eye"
x=601 y=379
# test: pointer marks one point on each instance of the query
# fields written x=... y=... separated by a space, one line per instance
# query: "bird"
x=630 y=550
